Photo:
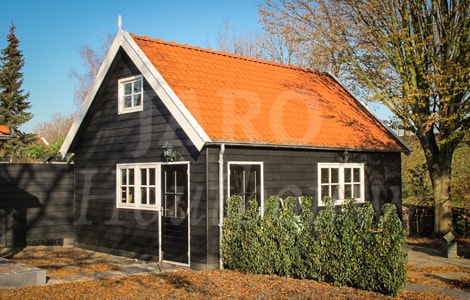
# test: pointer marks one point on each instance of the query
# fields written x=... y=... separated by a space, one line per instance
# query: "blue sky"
x=50 y=32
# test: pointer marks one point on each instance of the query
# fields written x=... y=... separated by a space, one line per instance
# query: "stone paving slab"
x=457 y=294
x=127 y=270
x=428 y=257
x=13 y=274
x=423 y=257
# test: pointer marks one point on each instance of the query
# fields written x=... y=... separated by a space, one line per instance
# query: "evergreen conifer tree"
x=13 y=100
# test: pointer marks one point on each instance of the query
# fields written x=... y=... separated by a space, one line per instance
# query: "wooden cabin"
x=169 y=131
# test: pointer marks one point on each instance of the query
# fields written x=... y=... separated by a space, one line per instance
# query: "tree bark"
x=442 y=205
x=439 y=161
x=440 y=169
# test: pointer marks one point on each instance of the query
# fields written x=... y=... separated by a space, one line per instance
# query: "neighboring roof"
x=4 y=130
x=5 y=133
x=222 y=98
x=40 y=140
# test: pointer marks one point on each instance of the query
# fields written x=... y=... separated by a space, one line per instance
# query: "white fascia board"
x=408 y=148
x=178 y=110
x=105 y=65
x=176 y=107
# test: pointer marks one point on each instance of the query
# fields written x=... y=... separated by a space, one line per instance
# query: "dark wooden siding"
x=106 y=139
x=293 y=172
x=36 y=204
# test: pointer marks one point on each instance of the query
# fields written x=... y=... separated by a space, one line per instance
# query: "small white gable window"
x=130 y=94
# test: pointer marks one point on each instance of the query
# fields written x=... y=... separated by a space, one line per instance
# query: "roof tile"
x=4 y=130
x=241 y=99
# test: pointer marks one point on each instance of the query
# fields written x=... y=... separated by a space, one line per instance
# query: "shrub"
x=391 y=252
x=232 y=233
x=342 y=248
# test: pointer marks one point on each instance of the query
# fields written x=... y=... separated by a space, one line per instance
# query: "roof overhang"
x=176 y=107
x=7 y=137
x=298 y=146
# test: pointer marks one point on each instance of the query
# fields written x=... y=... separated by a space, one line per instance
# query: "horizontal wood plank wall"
x=293 y=172
x=36 y=204
x=107 y=139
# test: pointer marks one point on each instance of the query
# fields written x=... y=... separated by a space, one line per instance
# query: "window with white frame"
x=340 y=181
x=138 y=186
x=130 y=94
x=245 y=179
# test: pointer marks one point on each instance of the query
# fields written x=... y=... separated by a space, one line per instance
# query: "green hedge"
x=342 y=248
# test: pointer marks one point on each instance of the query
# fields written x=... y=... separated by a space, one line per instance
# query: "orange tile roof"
x=239 y=99
x=4 y=130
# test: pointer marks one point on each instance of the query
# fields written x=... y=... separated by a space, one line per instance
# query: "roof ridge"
x=227 y=54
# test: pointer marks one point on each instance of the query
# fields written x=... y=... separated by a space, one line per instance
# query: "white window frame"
x=133 y=108
x=257 y=163
x=341 y=167
x=136 y=204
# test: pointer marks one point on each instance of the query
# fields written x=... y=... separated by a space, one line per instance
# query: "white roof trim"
x=176 y=107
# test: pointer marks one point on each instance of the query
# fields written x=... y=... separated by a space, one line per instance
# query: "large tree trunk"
x=440 y=170
x=442 y=205
x=439 y=161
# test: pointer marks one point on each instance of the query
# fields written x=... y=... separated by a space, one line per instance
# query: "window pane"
x=127 y=101
x=123 y=177
x=357 y=174
x=137 y=86
x=143 y=195
x=325 y=191
x=137 y=100
x=170 y=182
x=143 y=176
x=325 y=175
x=170 y=205
x=181 y=182
x=357 y=191
x=131 y=195
x=152 y=196
x=335 y=192
x=181 y=211
x=347 y=191
x=131 y=177
x=123 y=195
x=347 y=175
x=334 y=175
x=251 y=183
x=236 y=178
x=151 y=176
x=127 y=88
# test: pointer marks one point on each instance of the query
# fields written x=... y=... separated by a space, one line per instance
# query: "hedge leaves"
x=342 y=245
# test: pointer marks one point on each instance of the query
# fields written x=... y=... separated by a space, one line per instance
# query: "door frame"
x=160 y=214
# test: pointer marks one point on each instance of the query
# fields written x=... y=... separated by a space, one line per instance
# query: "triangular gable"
x=155 y=80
